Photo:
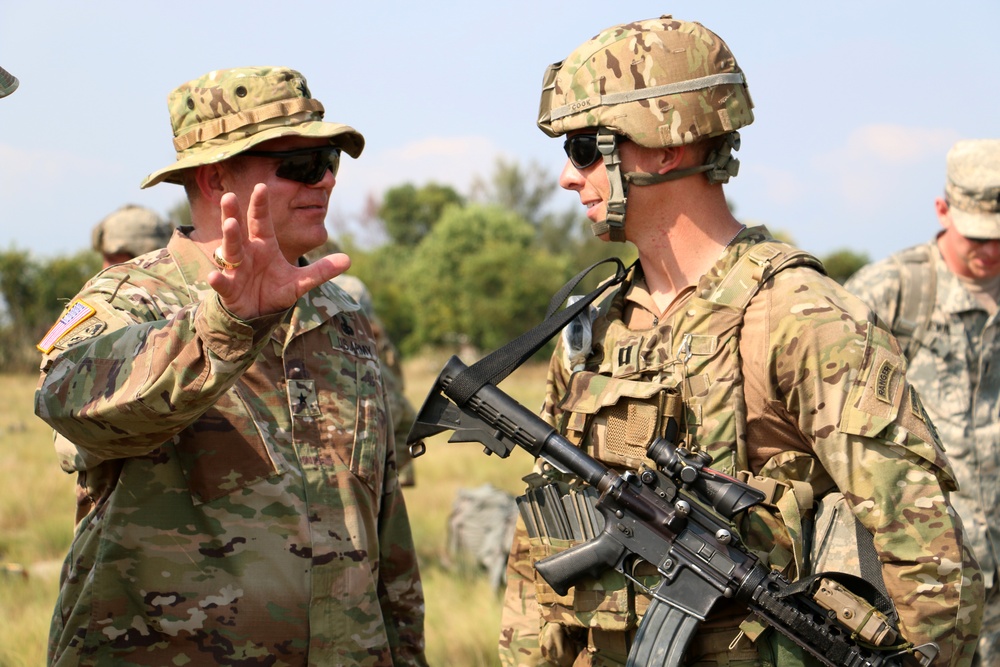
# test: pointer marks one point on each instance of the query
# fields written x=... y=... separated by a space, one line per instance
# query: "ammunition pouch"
x=618 y=418
x=560 y=515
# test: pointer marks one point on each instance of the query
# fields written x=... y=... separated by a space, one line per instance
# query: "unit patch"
x=77 y=313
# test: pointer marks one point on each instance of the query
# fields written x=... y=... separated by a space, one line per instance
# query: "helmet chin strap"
x=719 y=167
x=614 y=224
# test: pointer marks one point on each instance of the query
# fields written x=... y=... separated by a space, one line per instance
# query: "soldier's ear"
x=942 y=209
x=210 y=181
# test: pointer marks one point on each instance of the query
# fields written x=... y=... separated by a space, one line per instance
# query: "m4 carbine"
x=677 y=517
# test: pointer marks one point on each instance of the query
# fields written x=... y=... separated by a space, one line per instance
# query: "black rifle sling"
x=500 y=363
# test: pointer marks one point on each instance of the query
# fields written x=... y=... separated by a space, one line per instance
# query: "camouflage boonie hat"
x=229 y=111
x=973 y=188
x=8 y=83
x=661 y=82
x=131 y=229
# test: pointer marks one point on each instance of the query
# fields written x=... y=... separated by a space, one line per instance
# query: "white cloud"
x=877 y=160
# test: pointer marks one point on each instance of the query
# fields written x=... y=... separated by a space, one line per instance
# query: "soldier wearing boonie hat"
x=768 y=361
x=941 y=300
x=223 y=402
x=8 y=83
x=230 y=111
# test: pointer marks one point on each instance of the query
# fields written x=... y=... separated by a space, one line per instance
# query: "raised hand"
x=261 y=280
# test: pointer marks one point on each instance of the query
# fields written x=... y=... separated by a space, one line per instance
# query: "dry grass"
x=37 y=505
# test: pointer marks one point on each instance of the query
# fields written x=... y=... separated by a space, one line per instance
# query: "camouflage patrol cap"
x=225 y=112
x=131 y=229
x=661 y=82
x=8 y=83
x=973 y=187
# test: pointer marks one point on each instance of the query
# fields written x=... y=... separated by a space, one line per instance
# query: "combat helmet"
x=659 y=82
x=131 y=230
x=8 y=83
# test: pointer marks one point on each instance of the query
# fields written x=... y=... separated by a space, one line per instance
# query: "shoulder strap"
x=757 y=266
x=500 y=363
x=917 y=293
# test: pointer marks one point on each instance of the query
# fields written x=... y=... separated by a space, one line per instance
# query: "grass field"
x=37 y=506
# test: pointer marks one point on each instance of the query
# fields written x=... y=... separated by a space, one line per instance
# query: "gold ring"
x=222 y=262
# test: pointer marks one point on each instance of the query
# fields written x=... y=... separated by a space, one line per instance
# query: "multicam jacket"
x=245 y=505
x=802 y=387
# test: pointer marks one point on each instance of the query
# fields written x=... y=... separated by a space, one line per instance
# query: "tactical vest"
x=688 y=367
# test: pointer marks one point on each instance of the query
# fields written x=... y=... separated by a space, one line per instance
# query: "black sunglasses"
x=582 y=150
x=304 y=165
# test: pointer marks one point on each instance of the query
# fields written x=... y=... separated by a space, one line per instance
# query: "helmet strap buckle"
x=614 y=223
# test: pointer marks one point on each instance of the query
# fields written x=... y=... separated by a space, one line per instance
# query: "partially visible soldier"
x=129 y=232
x=8 y=83
x=940 y=299
x=772 y=369
x=229 y=398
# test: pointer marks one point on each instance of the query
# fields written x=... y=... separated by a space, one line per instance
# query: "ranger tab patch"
x=77 y=313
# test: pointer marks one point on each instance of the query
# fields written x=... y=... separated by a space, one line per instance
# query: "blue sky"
x=856 y=102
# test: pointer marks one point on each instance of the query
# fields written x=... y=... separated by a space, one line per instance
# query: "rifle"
x=677 y=517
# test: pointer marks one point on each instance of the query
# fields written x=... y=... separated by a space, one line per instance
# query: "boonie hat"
x=228 y=111
x=8 y=83
x=973 y=188
x=131 y=229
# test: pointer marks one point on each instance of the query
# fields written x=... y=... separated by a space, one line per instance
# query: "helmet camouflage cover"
x=8 y=83
x=661 y=82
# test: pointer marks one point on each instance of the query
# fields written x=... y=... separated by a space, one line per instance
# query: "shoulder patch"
x=77 y=313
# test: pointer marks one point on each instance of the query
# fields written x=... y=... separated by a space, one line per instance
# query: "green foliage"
x=523 y=191
x=478 y=279
x=409 y=213
x=34 y=293
x=383 y=271
x=842 y=264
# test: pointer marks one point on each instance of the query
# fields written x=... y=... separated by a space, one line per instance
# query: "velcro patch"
x=77 y=313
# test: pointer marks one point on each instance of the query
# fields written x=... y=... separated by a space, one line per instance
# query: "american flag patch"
x=77 y=313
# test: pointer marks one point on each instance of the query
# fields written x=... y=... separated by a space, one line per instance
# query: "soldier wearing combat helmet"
x=129 y=232
x=787 y=381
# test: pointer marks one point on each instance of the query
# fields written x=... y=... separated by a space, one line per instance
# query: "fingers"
x=321 y=271
x=259 y=214
x=231 y=251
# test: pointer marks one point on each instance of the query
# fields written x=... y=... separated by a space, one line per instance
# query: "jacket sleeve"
x=134 y=374
x=840 y=377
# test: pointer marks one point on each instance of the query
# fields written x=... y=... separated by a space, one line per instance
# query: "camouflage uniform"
x=801 y=387
x=400 y=407
x=240 y=499
x=954 y=370
x=267 y=529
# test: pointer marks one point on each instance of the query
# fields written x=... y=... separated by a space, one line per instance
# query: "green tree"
x=409 y=213
x=34 y=293
x=842 y=264
x=524 y=191
x=478 y=279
